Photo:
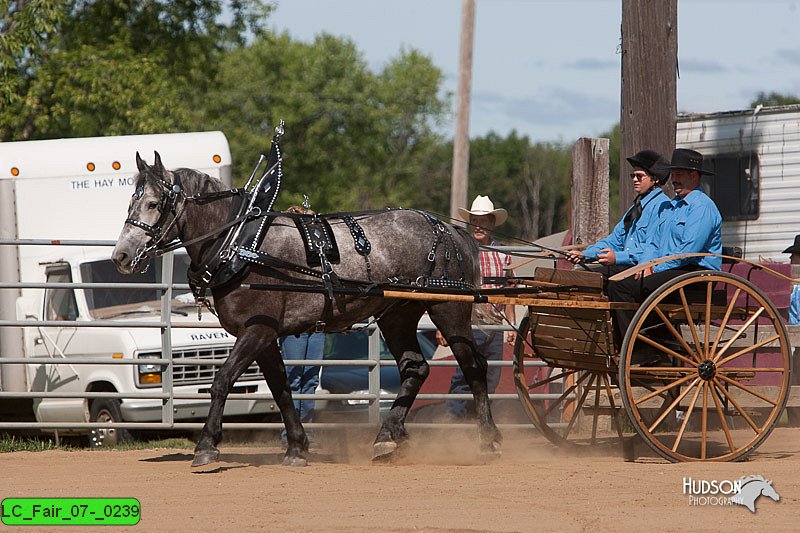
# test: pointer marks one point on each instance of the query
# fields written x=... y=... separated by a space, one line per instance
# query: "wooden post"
x=589 y=199
x=649 y=78
x=459 y=180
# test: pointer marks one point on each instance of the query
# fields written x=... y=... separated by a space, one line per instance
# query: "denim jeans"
x=491 y=345
x=794 y=305
x=303 y=379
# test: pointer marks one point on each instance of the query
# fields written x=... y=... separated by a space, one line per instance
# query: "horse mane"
x=749 y=479
x=191 y=179
x=198 y=182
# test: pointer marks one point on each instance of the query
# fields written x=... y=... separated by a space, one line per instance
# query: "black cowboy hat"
x=685 y=159
x=654 y=163
x=795 y=248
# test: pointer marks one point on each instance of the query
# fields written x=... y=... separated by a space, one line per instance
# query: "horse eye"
x=152 y=205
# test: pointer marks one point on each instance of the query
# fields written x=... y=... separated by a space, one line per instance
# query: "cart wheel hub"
x=707 y=370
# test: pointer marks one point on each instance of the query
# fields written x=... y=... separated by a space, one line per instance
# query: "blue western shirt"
x=794 y=305
x=688 y=225
x=629 y=246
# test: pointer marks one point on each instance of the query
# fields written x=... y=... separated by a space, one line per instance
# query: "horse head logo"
x=752 y=488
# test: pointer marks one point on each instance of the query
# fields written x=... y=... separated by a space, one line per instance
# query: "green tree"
x=91 y=91
x=26 y=28
x=531 y=181
x=774 y=99
x=120 y=66
x=354 y=139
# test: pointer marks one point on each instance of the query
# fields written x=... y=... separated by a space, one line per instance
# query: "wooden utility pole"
x=459 y=180
x=589 y=198
x=649 y=80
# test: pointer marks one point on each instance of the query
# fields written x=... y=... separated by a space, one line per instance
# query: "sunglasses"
x=639 y=176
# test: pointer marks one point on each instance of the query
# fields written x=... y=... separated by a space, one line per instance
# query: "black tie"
x=633 y=213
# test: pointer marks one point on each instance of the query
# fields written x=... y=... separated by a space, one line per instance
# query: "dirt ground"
x=439 y=485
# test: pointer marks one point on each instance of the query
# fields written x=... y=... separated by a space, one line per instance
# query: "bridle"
x=171 y=202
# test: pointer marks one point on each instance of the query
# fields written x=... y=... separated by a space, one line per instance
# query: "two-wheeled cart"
x=703 y=372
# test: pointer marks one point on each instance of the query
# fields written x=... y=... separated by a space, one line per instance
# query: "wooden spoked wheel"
x=571 y=407
x=704 y=369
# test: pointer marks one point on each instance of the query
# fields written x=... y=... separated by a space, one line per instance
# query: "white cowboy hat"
x=483 y=206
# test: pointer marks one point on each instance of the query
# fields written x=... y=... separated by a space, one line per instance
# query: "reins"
x=174 y=245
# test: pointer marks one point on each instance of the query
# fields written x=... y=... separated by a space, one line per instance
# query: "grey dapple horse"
x=164 y=207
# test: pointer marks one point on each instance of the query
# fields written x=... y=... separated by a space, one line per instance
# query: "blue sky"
x=550 y=69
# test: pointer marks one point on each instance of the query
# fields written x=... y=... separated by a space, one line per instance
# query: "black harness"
x=233 y=247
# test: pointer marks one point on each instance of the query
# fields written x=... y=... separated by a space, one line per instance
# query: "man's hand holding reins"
x=575 y=257
x=607 y=257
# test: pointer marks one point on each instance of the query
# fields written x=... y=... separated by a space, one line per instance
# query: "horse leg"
x=400 y=332
x=271 y=364
x=454 y=321
x=242 y=356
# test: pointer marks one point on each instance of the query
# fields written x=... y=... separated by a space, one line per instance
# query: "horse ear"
x=158 y=165
x=140 y=164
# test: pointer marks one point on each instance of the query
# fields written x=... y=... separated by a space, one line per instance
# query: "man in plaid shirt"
x=483 y=218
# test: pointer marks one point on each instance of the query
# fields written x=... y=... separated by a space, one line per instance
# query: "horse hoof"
x=205 y=457
x=294 y=461
x=492 y=451
x=383 y=450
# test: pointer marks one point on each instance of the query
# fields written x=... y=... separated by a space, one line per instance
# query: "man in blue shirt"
x=794 y=298
x=623 y=247
x=689 y=223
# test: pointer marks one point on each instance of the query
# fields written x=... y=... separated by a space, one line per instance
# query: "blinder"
x=167 y=204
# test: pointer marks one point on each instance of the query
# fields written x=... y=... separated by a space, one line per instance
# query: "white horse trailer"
x=755 y=154
x=75 y=190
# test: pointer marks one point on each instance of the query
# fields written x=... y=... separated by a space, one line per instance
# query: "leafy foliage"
x=774 y=99
x=354 y=139
x=26 y=27
x=99 y=67
x=89 y=91
x=531 y=181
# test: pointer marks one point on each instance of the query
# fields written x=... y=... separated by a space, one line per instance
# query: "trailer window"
x=104 y=271
x=60 y=304
x=734 y=186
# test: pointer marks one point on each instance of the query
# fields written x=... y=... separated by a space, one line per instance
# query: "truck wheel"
x=107 y=410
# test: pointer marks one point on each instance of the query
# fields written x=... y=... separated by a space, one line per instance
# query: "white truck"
x=75 y=190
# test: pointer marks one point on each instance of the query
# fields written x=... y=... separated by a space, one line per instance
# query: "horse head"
x=769 y=491
x=151 y=216
x=751 y=488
